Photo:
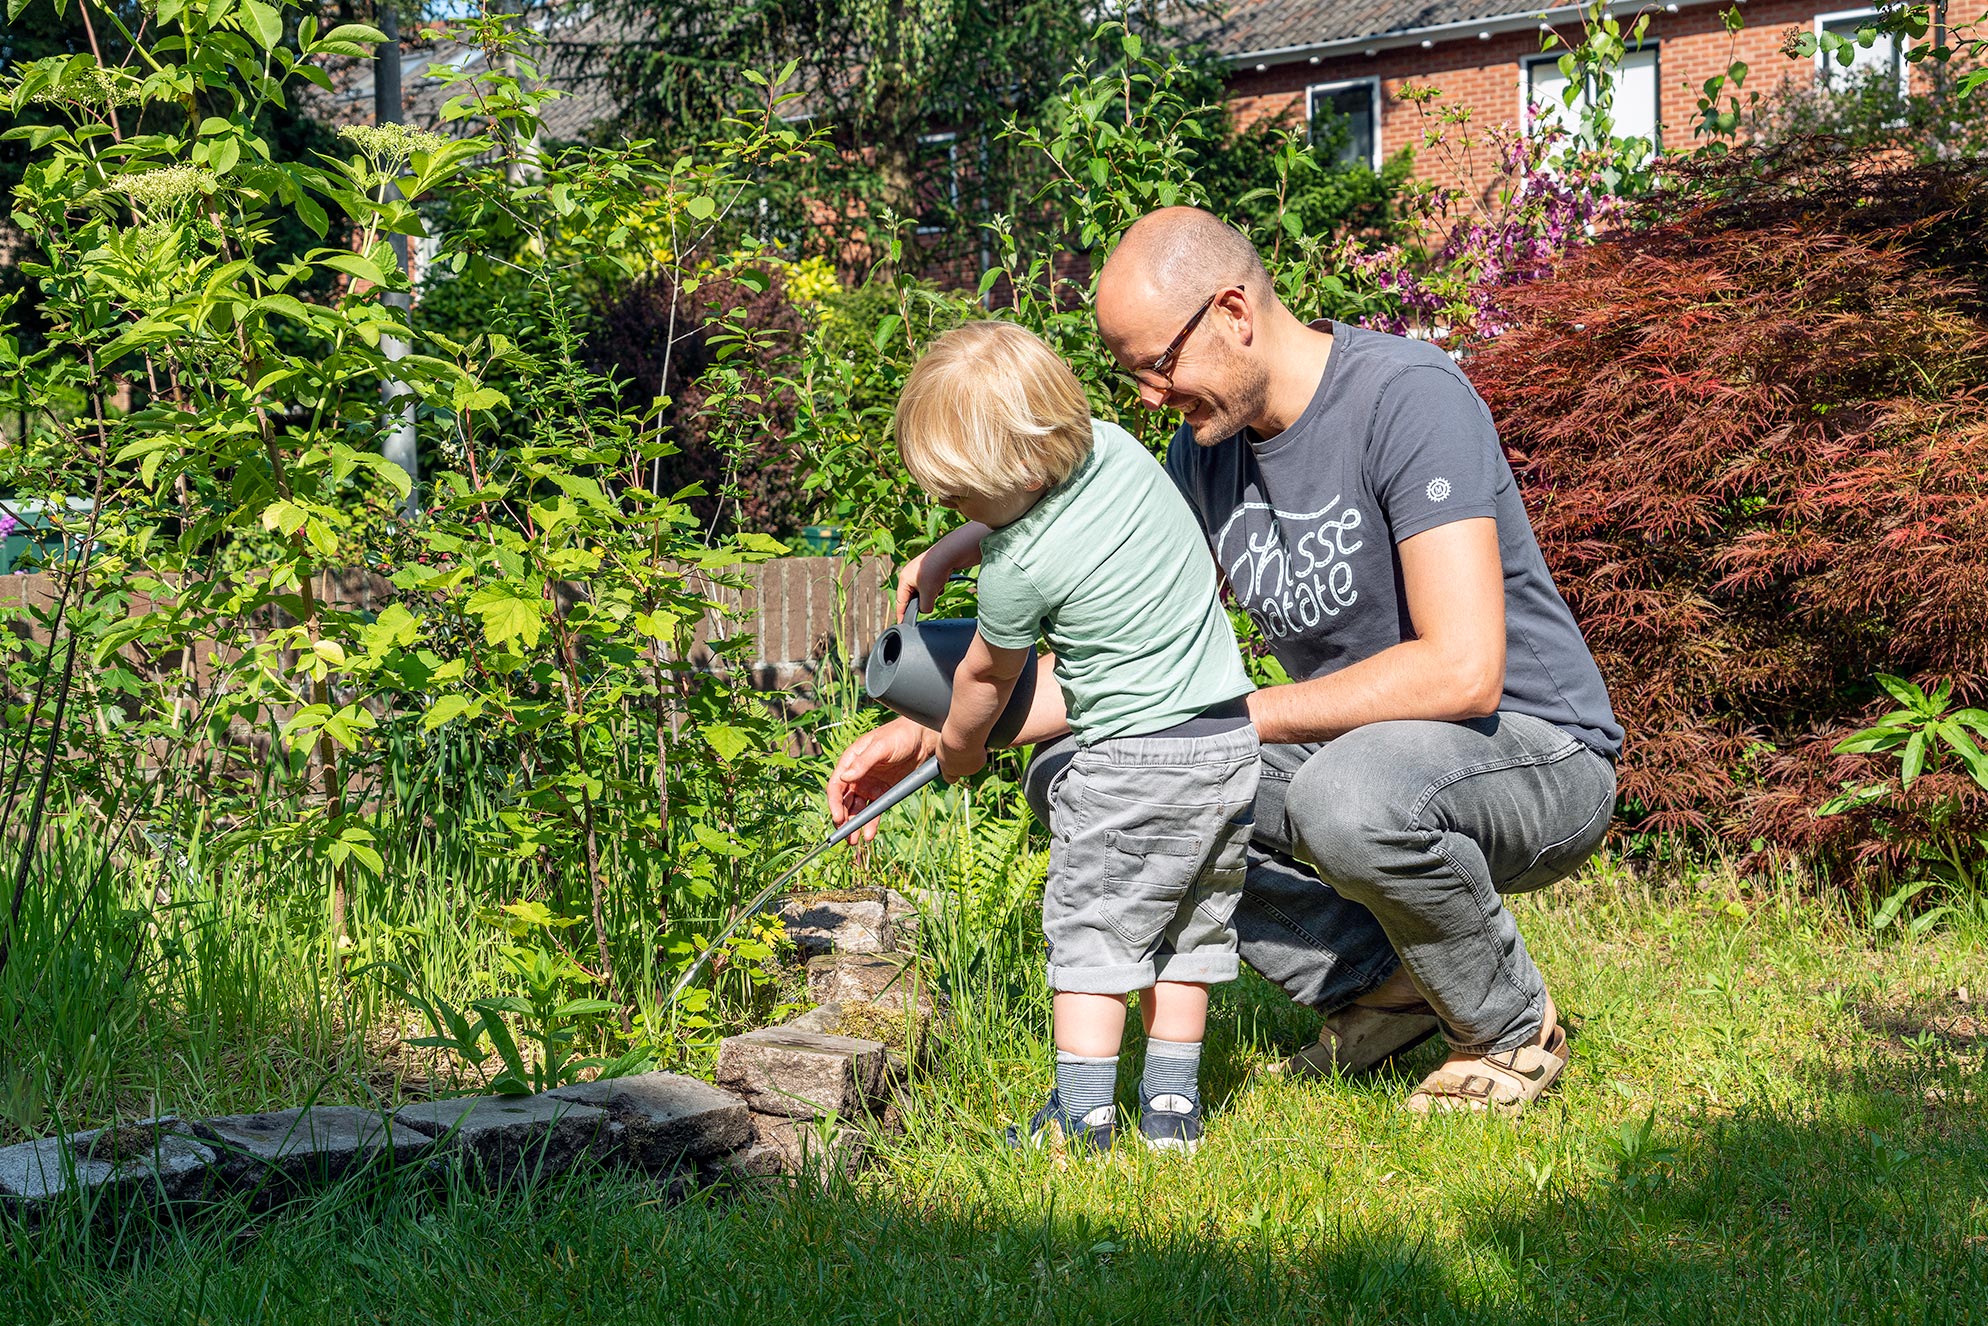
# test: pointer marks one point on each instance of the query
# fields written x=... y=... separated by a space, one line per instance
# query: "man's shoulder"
x=1382 y=357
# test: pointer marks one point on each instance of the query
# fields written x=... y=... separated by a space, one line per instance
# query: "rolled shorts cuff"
x=1208 y=967
x=1122 y=979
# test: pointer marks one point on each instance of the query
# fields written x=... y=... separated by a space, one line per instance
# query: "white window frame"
x=950 y=139
x=1650 y=44
x=1373 y=86
x=1822 y=22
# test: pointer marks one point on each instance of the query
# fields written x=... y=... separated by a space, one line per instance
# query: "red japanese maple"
x=1752 y=429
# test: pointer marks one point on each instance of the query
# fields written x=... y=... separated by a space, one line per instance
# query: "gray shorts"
x=1146 y=860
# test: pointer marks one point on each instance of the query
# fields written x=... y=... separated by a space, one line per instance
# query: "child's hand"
x=957 y=762
x=907 y=585
x=925 y=575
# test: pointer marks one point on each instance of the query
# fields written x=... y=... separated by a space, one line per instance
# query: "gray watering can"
x=910 y=670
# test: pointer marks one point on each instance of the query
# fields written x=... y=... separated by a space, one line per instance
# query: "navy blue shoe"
x=1171 y=1123
x=1096 y=1131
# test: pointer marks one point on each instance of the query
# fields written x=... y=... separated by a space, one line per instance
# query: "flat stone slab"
x=319 y=1143
x=904 y=1033
x=801 y=1074
x=889 y=981
x=872 y=921
x=159 y=1158
x=511 y=1134
x=807 y=1147
x=667 y=1118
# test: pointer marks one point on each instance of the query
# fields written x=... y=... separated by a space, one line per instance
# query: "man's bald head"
x=1212 y=366
x=1178 y=256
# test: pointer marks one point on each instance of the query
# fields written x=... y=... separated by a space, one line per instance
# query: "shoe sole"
x=1178 y=1146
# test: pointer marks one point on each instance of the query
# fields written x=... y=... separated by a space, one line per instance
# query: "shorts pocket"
x=1146 y=878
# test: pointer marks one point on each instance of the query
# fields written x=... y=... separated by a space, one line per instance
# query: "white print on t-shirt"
x=1290 y=587
x=1438 y=490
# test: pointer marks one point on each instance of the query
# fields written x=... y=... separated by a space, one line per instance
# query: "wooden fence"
x=803 y=612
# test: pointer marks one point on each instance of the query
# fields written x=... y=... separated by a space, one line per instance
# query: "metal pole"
x=397 y=439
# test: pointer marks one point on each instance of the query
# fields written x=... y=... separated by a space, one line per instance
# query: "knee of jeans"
x=1343 y=817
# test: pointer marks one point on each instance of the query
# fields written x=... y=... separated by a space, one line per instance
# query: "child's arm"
x=953 y=552
x=981 y=687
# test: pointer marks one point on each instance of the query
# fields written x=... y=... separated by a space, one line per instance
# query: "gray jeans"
x=1398 y=839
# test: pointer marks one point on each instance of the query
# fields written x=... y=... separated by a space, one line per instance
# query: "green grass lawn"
x=1772 y=1115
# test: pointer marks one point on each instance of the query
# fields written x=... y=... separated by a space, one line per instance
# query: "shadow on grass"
x=1871 y=1208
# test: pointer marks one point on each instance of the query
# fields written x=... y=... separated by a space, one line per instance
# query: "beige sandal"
x=1505 y=1082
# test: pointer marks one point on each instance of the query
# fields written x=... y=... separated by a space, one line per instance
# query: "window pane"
x=1356 y=106
x=1636 y=95
x=1546 y=88
x=1342 y=123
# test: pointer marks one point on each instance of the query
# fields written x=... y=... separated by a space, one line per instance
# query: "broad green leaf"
x=728 y=741
x=700 y=207
x=358 y=266
x=1914 y=759
x=506 y=616
x=263 y=21
x=1870 y=739
x=447 y=708
x=713 y=841
x=1903 y=691
x=283 y=517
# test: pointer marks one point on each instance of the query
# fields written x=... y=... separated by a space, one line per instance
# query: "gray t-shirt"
x=1304 y=526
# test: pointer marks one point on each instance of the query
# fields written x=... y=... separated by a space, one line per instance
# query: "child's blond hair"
x=990 y=410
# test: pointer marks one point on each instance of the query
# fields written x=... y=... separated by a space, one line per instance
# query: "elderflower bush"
x=207 y=410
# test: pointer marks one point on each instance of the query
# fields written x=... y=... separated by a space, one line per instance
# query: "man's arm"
x=1453 y=669
x=981 y=687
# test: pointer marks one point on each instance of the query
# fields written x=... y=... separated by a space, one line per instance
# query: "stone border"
x=806 y=1097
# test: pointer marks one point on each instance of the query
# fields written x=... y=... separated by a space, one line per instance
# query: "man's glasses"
x=1158 y=375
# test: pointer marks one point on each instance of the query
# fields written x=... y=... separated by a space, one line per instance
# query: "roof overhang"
x=1429 y=36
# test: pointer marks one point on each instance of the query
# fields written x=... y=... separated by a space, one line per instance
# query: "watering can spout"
x=911 y=669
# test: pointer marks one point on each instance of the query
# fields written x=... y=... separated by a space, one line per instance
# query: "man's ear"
x=1236 y=307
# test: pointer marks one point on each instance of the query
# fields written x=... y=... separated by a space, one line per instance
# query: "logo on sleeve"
x=1438 y=490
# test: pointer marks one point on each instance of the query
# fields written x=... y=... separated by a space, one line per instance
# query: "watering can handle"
x=922 y=777
x=911 y=610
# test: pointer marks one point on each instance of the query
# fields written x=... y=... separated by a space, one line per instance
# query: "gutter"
x=1426 y=37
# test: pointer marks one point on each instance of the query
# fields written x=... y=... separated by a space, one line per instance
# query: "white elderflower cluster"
x=94 y=88
x=388 y=146
x=164 y=187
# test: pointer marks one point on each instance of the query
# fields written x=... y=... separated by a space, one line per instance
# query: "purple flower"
x=7 y=523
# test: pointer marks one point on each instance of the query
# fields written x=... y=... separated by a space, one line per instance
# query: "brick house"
x=1295 y=57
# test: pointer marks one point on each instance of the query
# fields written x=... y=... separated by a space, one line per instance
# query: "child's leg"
x=1088 y=1030
x=1091 y=1024
x=1175 y=1010
x=1176 y=1018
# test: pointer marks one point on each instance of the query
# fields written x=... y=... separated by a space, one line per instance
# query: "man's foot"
x=1378 y=1025
x=1171 y=1123
x=1502 y=1083
x=1094 y=1132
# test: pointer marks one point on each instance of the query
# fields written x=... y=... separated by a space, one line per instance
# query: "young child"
x=1082 y=538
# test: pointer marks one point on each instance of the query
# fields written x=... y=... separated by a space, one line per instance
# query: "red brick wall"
x=1484 y=74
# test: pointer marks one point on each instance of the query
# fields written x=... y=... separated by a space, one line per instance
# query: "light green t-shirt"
x=1112 y=570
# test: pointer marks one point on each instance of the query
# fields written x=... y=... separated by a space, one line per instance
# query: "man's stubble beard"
x=1245 y=396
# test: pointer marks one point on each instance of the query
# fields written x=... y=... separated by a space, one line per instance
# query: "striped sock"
x=1173 y=1068
x=1084 y=1083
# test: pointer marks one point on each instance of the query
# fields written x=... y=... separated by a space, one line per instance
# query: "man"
x=1449 y=738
